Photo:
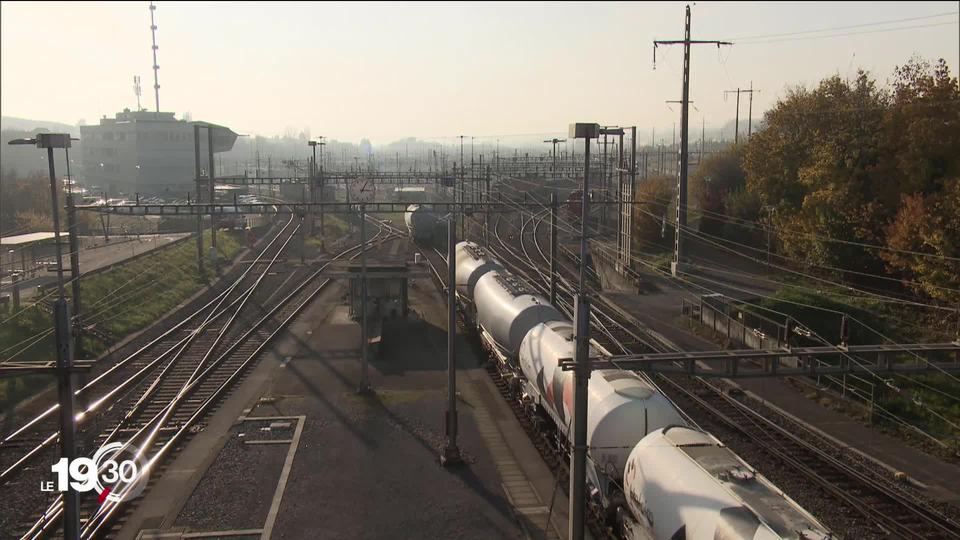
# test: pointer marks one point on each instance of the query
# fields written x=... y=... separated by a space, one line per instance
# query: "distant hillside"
x=26 y=160
x=25 y=124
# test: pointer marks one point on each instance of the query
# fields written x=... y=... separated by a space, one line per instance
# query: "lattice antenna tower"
x=156 y=67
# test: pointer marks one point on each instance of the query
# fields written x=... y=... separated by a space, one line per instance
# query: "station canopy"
x=23 y=239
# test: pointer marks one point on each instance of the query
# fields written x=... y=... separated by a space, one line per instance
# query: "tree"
x=922 y=127
x=655 y=195
x=818 y=163
x=712 y=184
x=929 y=225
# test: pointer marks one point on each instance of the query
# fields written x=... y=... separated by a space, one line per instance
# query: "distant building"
x=146 y=152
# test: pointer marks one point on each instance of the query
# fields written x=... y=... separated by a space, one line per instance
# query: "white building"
x=147 y=152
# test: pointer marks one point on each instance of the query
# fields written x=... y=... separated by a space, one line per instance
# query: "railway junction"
x=302 y=395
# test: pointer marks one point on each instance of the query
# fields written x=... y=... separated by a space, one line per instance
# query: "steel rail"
x=55 y=510
x=83 y=416
x=940 y=523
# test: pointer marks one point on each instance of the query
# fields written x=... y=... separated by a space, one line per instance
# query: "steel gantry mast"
x=681 y=223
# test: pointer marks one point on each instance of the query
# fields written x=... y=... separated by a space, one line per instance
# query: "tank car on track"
x=425 y=227
x=684 y=483
x=648 y=473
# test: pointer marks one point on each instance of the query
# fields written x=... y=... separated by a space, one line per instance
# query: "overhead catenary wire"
x=845 y=34
x=903 y=422
x=848 y=27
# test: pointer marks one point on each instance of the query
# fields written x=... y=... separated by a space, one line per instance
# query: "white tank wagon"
x=472 y=263
x=507 y=309
x=684 y=483
x=622 y=408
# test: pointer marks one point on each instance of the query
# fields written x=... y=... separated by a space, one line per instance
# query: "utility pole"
x=486 y=215
x=450 y=455
x=553 y=249
x=364 y=376
x=213 y=217
x=679 y=253
x=703 y=138
x=321 y=197
x=303 y=229
x=313 y=182
x=736 y=133
x=736 y=122
x=462 y=184
x=750 y=112
x=555 y=141
x=72 y=231
x=578 y=465
x=63 y=334
x=196 y=155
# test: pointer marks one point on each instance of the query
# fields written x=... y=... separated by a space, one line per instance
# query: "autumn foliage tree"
x=926 y=238
x=861 y=176
x=656 y=205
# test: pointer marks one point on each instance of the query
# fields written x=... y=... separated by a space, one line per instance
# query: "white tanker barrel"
x=421 y=222
x=622 y=408
x=408 y=216
x=507 y=309
x=683 y=483
x=472 y=263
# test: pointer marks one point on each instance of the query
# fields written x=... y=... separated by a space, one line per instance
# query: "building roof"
x=28 y=238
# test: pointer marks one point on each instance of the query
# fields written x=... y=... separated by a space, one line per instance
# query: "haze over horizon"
x=389 y=71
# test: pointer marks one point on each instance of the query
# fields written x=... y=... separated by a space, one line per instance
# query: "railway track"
x=154 y=399
x=892 y=510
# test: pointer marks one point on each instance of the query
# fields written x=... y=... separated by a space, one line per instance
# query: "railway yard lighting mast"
x=578 y=465
x=64 y=337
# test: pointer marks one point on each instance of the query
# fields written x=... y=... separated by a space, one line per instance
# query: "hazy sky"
x=383 y=71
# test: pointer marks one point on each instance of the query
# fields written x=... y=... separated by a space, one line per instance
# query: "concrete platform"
x=340 y=465
x=96 y=254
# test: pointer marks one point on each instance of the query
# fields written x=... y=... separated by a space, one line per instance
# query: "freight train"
x=425 y=226
x=650 y=474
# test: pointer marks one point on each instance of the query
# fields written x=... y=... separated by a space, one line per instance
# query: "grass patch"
x=661 y=261
x=116 y=302
x=334 y=228
x=930 y=402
